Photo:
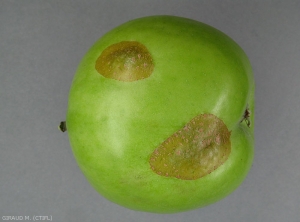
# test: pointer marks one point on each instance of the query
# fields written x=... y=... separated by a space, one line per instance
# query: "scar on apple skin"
x=197 y=149
x=125 y=61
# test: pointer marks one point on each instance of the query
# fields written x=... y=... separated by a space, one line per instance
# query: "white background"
x=41 y=44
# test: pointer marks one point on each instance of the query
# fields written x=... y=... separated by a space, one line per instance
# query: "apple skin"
x=114 y=126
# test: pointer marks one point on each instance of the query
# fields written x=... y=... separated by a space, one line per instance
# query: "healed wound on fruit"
x=125 y=61
x=194 y=151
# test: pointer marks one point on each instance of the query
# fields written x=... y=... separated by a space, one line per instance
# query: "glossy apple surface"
x=143 y=95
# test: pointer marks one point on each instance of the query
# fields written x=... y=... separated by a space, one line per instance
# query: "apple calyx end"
x=246 y=117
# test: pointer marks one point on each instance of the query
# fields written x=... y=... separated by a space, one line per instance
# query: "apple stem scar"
x=62 y=126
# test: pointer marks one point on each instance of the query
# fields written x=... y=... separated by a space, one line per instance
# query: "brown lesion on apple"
x=125 y=61
x=197 y=149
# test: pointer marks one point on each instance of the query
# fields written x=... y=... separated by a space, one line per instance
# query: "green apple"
x=160 y=115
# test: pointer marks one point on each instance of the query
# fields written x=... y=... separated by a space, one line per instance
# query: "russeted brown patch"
x=194 y=151
x=125 y=61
